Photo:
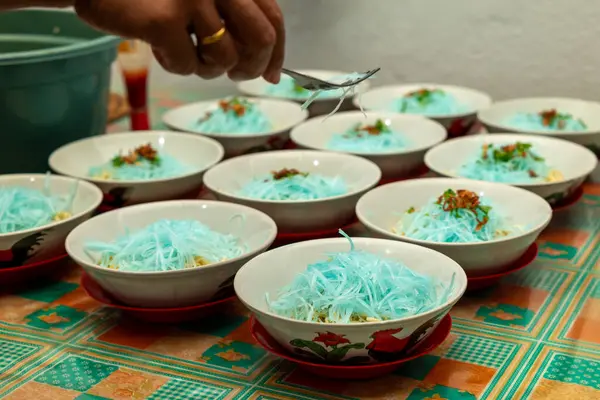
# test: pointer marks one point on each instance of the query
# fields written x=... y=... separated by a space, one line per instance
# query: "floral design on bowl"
x=21 y=251
x=328 y=347
x=385 y=346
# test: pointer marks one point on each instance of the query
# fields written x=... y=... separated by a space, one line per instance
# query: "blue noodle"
x=357 y=286
x=234 y=116
x=142 y=163
x=378 y=138
x=166 y=245
x=428 y=102
x=291 y=184
x=512 y=163
x=435 y=223
x=548 y=121
x=24 y=208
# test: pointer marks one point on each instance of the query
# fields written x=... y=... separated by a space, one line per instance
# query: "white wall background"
x=508 y=48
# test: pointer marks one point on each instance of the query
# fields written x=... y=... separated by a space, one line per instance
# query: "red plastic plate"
x=482 y=282
x=417 y=174
x=569 y=201
x=287 y=238
x=156 y=315
x=30 y=272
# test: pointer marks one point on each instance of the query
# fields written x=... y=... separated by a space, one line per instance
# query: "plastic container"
x=54 y=84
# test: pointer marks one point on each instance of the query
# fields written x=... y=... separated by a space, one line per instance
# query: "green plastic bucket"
x=54 y=85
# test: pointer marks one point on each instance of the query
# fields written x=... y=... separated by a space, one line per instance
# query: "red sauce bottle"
x=134 y=59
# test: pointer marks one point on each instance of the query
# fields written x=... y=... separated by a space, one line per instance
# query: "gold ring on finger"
x=215 y=37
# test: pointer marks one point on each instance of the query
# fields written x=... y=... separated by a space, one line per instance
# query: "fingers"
x=218 y=57
x=273 y=13
x=253 y=44
x=175 y=51
x=254 y=33
x=160 y=24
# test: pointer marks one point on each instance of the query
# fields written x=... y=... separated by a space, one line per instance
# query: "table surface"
x=534 y=336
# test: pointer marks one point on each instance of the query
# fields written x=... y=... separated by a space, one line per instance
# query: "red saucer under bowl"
x=569 y=201
x=367 y=371
x=156 y=315
x=284 y=238
x=482 y=282
x=419 y=173
x=36 y=270
x=192 y=195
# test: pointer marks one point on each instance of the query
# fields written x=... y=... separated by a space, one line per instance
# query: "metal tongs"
x=313 y=84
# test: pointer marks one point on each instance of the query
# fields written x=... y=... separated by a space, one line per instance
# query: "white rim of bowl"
x=240 y=87
x=54 y=224
x=212 y=142
x=325 y=199
x=381 y=114
x=357 y=103
x=454 y=182
x=516 y=137
x=453 y=299
x=236 y=135
x=159 y=274
x=482 y=116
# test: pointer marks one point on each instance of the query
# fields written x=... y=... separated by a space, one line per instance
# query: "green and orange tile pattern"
x=534 y=336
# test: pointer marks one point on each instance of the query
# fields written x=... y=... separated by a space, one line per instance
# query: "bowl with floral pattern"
x=345 y=343
x=69 y=202
x=454 y=107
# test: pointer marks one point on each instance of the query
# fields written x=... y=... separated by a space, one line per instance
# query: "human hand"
x=253 y=44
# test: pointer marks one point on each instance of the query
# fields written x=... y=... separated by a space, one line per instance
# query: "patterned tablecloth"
x=535 y=336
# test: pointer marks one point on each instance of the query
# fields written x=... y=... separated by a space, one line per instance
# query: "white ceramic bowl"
x=380 y=209
x=272 y=271
x=494 y=118
x=283 y=115
x=46 y=241
x=381 y=98
x=226 y=179
x=420 y=133
x=321 y=106
x=171 y=288
x=200 y=153
x=574 y=161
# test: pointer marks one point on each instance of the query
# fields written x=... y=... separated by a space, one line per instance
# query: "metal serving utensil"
x=313 y=84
